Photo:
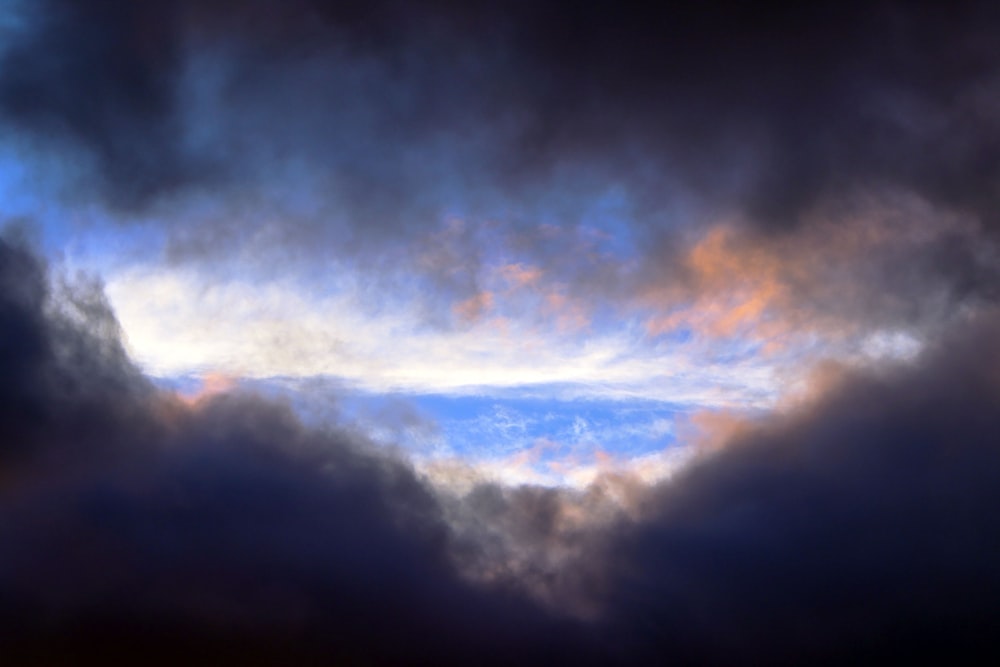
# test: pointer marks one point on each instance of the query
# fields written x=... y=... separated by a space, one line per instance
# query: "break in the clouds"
x=141 y=526
x=528 y=332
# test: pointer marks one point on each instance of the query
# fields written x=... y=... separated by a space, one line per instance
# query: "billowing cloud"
x=709 y=172
x=854 y=528
x=135 y=524
x=775 y=229
x=139 y=527
x=386 y=118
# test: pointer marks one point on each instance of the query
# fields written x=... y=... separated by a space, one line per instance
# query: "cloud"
x=720 y=173
x=856 y=525
x=183 y=322
x=856 y=528
x=361 y=126
x=138 y=525
x=852 y=527
x=559 y=200
x=847 y=274
x=61 y=356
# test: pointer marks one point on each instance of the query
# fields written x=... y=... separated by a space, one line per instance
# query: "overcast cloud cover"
x=475 y=333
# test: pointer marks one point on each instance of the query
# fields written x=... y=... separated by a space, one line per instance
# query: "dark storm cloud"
x=295 y=133
x=857 y=528
x=134 y=527
x=407 y=110
x=101 y=76
x=62 y=366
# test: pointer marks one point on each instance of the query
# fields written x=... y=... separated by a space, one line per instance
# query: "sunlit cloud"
x=177 y=324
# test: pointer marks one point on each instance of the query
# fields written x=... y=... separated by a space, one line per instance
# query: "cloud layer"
x=355 y=129
x=777 y=108
x=137 y=524
x=788 y=179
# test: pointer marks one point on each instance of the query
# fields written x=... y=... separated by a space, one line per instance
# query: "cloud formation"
x=401 y=114
x=138 y=524
x=673 y=203
x=606 y=152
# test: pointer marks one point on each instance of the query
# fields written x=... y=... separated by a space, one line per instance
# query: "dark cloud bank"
x=403 y=110
x=137 y=528
x=361 y=126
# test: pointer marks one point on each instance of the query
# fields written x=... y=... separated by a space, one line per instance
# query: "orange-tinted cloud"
x=473 y=308
x=733 y=282
x=520 y=275
x=211 y=385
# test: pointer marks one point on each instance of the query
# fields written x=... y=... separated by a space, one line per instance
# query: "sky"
x=537 y=332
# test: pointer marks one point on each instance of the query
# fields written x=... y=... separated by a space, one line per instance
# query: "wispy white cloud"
x=180 y=322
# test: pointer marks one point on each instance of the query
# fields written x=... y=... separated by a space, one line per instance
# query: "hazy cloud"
x=391 y=116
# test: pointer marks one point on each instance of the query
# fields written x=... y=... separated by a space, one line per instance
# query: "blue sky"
x=328 y=229
x=484 y=343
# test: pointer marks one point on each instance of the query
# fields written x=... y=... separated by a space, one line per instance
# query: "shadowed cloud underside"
x=498 y=333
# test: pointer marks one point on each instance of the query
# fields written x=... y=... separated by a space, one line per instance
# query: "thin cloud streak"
x=177 y=325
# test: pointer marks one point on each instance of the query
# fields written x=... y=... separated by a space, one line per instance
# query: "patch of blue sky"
x=182 y=384
x=482 y=427
x=63 y=227
x=13 y=18
x=26 y=204
x=477 y=427
x=13 y=181
x=608 y=218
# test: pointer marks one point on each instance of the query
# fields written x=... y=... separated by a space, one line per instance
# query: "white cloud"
x=181 y=322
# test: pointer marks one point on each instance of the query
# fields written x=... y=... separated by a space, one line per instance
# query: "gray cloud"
x=857 y=527
x=406 y=110
x=136 y=527
x=295 y=133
